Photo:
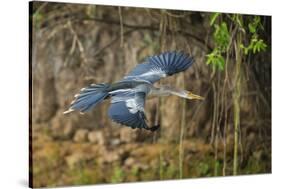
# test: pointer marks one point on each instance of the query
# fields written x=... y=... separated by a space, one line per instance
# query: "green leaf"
x=216 y=59
x=221 y=62
x=221 y=36
x=210 y=58
x=246 y=51
x=252 y=28
x=254 y=48
x=256 y=45
x=260 y=45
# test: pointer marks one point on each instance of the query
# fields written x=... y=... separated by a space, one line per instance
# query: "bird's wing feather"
x=156 y=67
x=128 y=109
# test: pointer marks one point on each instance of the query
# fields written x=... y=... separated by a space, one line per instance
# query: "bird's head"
x=191 y=96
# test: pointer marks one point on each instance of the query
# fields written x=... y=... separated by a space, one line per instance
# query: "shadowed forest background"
x=229 y=133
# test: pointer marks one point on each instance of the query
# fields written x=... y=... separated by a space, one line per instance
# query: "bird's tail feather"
x=88 y=98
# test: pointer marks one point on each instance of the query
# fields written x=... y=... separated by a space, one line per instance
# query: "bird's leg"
x=153 y=128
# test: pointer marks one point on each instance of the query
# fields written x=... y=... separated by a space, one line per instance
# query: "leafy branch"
x=222 y=38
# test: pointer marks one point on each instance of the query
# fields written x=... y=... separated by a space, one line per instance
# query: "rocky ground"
x=87 y=157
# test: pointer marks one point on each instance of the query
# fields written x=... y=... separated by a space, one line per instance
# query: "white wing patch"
x=121 y=91
x=124 y=95
x=133 y=107
x=116 y=99
x=153 y=71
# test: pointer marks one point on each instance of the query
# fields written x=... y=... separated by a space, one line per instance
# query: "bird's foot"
x=153 y=128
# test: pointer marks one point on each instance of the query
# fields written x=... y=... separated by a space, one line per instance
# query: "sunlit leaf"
x=252 y=28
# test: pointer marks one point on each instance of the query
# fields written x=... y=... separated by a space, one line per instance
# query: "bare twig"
x=173 y=15
x=121 y=27
x=214 y=114
x=40 y=8
x=186 y=33
x=236 y=100
x=98 y=52
x=182 y=125
x=79 y=43
x=148 y=27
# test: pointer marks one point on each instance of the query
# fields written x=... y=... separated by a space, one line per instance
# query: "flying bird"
x=129 y=94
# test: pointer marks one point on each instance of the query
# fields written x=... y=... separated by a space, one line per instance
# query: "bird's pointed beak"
x=194 y=96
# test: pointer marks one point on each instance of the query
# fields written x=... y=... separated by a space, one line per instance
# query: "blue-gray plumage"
x=156 y=67
x=128 y=95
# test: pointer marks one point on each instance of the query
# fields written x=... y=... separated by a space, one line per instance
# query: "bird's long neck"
x=164 y=91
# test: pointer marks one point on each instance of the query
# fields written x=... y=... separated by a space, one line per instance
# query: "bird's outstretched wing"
x=156 y=67
x=128 y=109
